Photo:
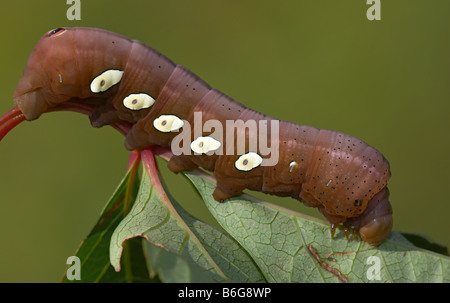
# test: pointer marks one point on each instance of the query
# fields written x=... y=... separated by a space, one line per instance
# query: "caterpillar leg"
x=103 y=114
x=348 y=228
x=333 y=229
x=222 y=193
x=179 y=163
x=137 y=138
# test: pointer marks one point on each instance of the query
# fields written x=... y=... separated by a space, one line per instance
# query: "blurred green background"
x=319 y=63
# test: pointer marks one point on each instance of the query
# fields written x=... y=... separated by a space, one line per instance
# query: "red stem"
x=148 y=159
x=10 y=120
x=135 y=157
x=14 y=117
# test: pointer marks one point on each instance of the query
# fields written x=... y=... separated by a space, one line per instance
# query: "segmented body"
x=129 y=81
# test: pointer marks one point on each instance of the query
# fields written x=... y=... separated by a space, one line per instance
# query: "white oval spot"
x=105 y=80
x=138 y=101
x=248 y=161
x=168 y=123
x=203 y=145
x=293 y=165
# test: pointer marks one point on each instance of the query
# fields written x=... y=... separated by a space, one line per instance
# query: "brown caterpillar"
x=128 y=81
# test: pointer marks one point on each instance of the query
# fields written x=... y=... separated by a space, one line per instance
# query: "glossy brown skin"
x=339 y=174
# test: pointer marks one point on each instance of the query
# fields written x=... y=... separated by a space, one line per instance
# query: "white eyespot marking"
x=60 y=78
x=248 y=161
x=138 y=101
x=329 y=182
x=293 y=165
x=106 y=80
x=168 y=123
x=203 y=145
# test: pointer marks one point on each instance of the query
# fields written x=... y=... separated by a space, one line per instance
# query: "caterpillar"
x=169 y=106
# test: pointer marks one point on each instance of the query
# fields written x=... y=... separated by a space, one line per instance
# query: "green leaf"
x=196 y=251
x=156 y=240
x=172 y=268
x=94 y=250
x=291 y=247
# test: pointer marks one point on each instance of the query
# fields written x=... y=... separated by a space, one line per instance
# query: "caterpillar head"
x=375 y=223
x=63 y=65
